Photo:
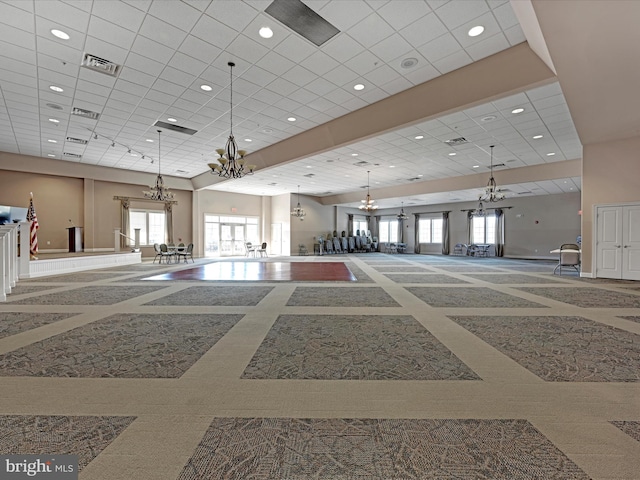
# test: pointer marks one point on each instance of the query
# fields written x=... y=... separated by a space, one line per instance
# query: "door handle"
x=617 y=246
x=627 y=246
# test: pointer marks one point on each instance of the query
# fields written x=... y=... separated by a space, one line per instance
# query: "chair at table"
x=180 y=247
x=262 y=250
x=459 y=249
x=166 y=253
x=186 y=253
x=569 y=257
x=250 y=249
x=156 y=248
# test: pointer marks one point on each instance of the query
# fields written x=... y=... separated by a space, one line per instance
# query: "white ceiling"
x=169 y=48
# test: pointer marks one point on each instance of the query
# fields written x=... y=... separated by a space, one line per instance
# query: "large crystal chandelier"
x=402 y=215
x=298 y=211
x=367 y=205
x=231 y=163
x=491 y=192
x=158 y=192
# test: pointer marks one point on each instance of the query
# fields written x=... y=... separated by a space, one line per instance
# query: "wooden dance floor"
x=264 y=271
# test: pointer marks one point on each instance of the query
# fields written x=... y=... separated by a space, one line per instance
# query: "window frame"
x=146 y=242
x=431 y=221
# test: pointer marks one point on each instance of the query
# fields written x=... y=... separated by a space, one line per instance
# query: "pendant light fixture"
x=491 y=192
x=367 y=205
x=231 y=163
x=298 y=211
x=402 y=216
x=158 y=192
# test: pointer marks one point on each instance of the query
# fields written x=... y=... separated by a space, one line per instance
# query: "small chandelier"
x=480 y=211
x=298 y=211
x=231 y=161
x=367 y=205
x=158 y=192
x=402 y=215
x=491 y=192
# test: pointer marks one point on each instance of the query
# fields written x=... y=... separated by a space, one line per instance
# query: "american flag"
x=33 y=229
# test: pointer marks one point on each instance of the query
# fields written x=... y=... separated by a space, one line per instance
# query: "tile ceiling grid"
x=168 y=49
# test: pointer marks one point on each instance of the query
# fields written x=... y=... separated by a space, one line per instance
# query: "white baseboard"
x=57 y=266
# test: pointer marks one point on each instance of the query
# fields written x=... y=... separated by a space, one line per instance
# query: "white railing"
x=9 y=257
x=136 y=241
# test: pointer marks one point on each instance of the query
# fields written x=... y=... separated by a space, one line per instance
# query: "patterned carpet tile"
x=22 y=288
x=353 y=347
x=401 y=269
x=215 y=296
x=561 y=349
x=122 y=345
x=422 y=278
x=467 y=268
x=587 y=297
x=513 y=278
x=59 y=435
x=14 y=322
x=545 y=268
x=93 y=295
x=78 y=277
x=331 y=449
x=476 y=297
x=341 y=297
x=630 y=428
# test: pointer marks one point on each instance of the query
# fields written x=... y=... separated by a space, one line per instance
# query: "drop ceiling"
x=166 y=50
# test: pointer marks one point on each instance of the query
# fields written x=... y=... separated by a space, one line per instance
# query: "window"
x=483 y=229
x=388 y=231
x=430 y=230
x=359 y=224
x=151 y=224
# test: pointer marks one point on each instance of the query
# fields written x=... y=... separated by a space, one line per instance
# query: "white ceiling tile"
x=453 y=16
x=110 y=32
x=18 y=17
x=120 y=14
x=236 y=15
x=371 y=30
x=148 y=48
x=300 y=76
x=214 y=32
x=391 y=47
x=199 y=49
x=401 y=13
x=452 y=62
x=320 y=86
x=439 y=48
x=294 y=48
x=143 y=64
x=319 y=63
x=178 y=14
x=162 y=32
x=344 y=15
x=515 y=35
x=421 y=74
x=381 y=75
x=135 y=76
x=505 y=16
x=64 y=14
x=363 y=63
x=488 y=46
x=275 y=63
x=246 y=49
x=342 y=48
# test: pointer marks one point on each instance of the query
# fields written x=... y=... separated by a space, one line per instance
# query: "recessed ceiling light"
x=537 y=137
x=54 y=120
x=392 y=166
x=248 y=140
x=149 y=140
x=354 y=154
x=452 y=154
x=309 y=166
x=134 y=154
x=266 y=32
x=171 y=119
x=55 y=89
x=475 y=31
x=551 y=154
x=359 y=86
x=488 y=118
x=52 y=141
x=419 y=137
x=476 y=166
x=292 y=119
x=206 y=88
x=50 y=155
x=517 y=110
x=60 y=34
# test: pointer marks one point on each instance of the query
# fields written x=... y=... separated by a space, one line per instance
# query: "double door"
x=618 y=242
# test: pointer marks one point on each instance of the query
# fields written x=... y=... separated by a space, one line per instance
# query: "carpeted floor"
x=423 y=367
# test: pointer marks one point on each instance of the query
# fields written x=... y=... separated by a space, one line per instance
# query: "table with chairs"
x=171 y=251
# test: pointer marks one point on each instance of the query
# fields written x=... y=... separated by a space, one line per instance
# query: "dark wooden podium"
x=75 y=239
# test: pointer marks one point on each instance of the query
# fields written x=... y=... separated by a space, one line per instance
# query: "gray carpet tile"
x=535 y=268
x=587 y=297
x=341 y=297
x=422 y=278
x=467 y=268
x=122 y=345
x=92 y=295
x=631 y=428
x=473 y=297
x=17 y=322
x=353 y=347
x=342 y=448
x=358 y=273
x=78 y=277
x=215 y=296
x=632 y=318
x=23 y=288
x=561 y=349
x=84 y=436
x=401 y=269
x=514 y=278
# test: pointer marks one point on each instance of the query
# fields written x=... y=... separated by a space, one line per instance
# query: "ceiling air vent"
x=54 y=106
x=361 y=163
x=524 y=193
x=101 y=65
x=72 y=155
x=272 y=184
x=413 y=179
x=497 y=165
x=77 y=140
x=175 y=128
x=81 y=112
x=456 y=141
x=310 y=175
x=302 y=20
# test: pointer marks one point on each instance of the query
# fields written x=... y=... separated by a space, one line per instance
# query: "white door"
x=631 y=242
x=618 y=242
